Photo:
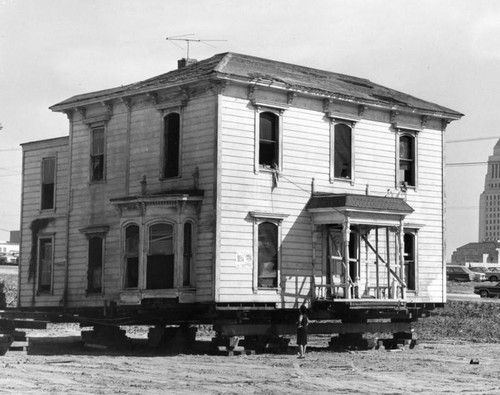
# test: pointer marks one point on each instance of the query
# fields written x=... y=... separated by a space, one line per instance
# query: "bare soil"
x=452 y=338
x=430 y=368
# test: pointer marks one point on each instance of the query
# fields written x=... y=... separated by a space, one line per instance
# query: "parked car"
x=487 y=291
x=462 y=273
x=491 y=275
x=9 y=259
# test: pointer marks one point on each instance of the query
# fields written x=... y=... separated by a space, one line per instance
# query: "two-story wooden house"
x=237 y=183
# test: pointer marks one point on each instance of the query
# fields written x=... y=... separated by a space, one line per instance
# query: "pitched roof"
x=359 y=202
x=252 y=69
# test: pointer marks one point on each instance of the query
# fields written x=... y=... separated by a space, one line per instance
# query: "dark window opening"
x=171 y=152
x=45 y=265
x=343 y=151
x=188 y=254
x=132 y=256
x=48 y=183
x=160 y=264
x=268 y=140
x=268 y=255
x=94 y=280
x=407 y=160
x=409 y=260
x=97 y=155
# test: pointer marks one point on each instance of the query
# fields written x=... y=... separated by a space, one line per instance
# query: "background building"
x=489 y=202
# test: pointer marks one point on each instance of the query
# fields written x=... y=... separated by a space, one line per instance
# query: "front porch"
x=361 y=240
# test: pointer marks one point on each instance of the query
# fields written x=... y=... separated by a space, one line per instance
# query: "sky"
x=442 y=51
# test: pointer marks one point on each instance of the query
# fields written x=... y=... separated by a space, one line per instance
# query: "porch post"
x=346 y=234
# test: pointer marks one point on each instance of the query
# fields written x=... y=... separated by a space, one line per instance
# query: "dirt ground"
x=430 y=368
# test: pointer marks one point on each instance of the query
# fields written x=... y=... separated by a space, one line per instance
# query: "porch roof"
x=362 y=209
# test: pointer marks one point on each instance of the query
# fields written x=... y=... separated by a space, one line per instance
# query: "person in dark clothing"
x=302 y=324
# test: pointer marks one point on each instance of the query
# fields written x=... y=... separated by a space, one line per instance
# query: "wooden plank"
x=313 y=328
x=28 y=324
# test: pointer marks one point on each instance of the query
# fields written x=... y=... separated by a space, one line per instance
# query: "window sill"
x=99 y=182
x=268 y=291
x=343 y=180
x=90 y=294
x=162 y=178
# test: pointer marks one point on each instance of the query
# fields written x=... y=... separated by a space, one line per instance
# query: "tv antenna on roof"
x=189 y=40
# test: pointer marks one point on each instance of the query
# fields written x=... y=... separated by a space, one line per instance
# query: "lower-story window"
x=95 y=265
x=268 y=255
x=409 y=260
x=132 y=256
x=161 y=257
x=45 y=263
x=267 y=249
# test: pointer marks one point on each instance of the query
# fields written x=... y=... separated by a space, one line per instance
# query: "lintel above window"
x=94 y=230
x=343 y=118
x=270 y=104
x=265 y=216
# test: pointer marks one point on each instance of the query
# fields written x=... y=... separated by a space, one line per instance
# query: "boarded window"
x=132 y=256
x=268 y=140
x=342 y=151
x=48 y=183
x=171 y=149
x=160 y=263
x=45 y=260
x=268 y=255
x=407 y=160
x=97 y=155
x=188 y=254
x=95 y=254
x=409 y=259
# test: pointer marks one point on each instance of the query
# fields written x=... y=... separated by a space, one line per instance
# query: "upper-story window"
x=95 y=264
x=171 y=145
x=407 y=160
x=97 y=154
x=269 y=140
x=342 y=148
x=48 y=183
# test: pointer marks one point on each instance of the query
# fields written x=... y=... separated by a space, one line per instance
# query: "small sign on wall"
x=244 y=261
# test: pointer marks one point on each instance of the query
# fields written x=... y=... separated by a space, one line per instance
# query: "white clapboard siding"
x=33 y=153
x=306 y=154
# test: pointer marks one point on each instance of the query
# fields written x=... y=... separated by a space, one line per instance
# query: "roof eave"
x=452 y=116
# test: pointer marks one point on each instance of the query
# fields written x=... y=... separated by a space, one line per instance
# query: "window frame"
x=50 y=287
x=192 y=254
x=413 y=135
x=54 y=158
x=278 y=112
x=333 y=124
x=126 y=256
x=277 y=220
x=147 y=249
x=414 y=234
x=94 y=290
x=94 y=128
x=163 y=153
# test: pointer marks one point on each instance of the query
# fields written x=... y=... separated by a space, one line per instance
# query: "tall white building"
x=489 y=202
